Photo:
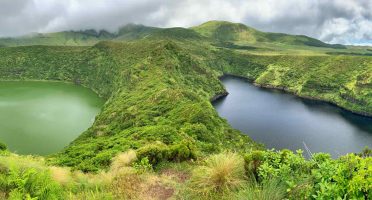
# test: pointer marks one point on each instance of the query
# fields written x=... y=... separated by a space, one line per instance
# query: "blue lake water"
x=280 y=120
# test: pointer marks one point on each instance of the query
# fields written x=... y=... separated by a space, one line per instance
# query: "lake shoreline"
x=51 y=114
x=55 y=81
x=282 y=120
x=285 y=90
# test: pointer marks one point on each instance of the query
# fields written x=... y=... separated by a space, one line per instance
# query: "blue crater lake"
x=284 y=121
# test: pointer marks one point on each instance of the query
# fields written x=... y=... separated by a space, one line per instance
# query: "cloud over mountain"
x=335 y=21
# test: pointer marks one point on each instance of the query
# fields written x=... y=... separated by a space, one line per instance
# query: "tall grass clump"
x=221 y=175
x=267 y=190
x=126 y=183
x=123 y=160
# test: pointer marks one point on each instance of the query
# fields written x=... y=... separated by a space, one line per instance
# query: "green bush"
x=252 y=162
x=155 y=153
x=2 y=146
x=182 y=151
x=321 y=177
x=142 y=165
x=160 y=152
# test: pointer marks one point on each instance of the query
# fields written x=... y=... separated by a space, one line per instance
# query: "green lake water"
x=43 y=117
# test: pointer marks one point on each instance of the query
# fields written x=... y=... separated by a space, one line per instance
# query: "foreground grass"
x=280 y=175
x=30 y=178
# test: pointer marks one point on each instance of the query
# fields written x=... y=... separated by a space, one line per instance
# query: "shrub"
x=221 y=174
x=367 y=152
x=199 y=132
x=86 y=166
x=252 y=162
x=103 y=158
x=2 y=146
x=182 y=151
x=154 y=152
x=160 y=152
x=143 y=165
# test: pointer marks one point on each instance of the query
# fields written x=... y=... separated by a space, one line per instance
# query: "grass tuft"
x=222 y=174
x=268 y=190
x=123 y=160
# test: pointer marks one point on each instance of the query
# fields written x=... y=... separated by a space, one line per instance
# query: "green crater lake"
x=43 y=117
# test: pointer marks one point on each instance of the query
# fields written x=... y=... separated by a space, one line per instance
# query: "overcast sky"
x=334 y=21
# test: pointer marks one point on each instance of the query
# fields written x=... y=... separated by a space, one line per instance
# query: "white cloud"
x=336 y=21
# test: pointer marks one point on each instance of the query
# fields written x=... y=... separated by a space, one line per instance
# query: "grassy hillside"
x=226 y=31
x=135 y=31
x=158 y=135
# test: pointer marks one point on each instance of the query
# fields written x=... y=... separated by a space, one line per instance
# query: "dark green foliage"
x=155 y=153
x=252 y=162
x=2 y=146
x=160 y=152
x=182 y=151
x=367 y=152
x=321 y=177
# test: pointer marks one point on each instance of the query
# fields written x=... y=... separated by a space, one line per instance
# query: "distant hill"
x=65 y=38
x=226 y=31
x=135 y=31
x=220 y=31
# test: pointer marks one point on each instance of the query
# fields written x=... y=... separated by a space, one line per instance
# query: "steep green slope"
x=227 y=31
x=155 y=91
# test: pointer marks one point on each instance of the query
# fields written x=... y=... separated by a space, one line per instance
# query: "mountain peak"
x=226 y=31
x=217 y=23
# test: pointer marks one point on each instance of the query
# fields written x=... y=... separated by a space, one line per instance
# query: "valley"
x=157 y=84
